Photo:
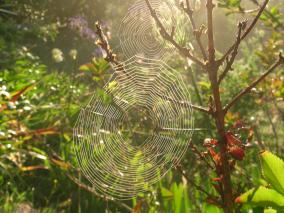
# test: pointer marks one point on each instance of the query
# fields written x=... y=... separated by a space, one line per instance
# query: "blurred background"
x=48 y=70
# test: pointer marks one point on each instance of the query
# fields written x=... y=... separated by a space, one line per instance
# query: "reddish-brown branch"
x=248 y=30
x=245 y=91
x=212 y=69
x=197 y=33
x=185 y=52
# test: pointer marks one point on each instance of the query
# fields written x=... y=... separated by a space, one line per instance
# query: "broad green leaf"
x=262 y=196
x=273 y=170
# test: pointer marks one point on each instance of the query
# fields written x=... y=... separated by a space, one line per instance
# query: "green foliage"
x=40 y=101
x=272 y=168
x=262 y=196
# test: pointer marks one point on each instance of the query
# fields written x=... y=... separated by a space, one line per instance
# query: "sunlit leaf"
x=263 y=197
x=270 y=211
x=273 y=170
x=60 y=163
x=17 y=95
x=166 y=193
x=32 y=168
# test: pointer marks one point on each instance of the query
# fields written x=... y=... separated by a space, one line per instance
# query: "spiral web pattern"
x=127 y=139
x=139 y=34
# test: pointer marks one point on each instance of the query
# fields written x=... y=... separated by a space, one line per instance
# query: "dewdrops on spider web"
x=127 y=139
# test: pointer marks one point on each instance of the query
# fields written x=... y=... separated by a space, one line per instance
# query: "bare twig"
x=187 y=104
x=197 y=33
x=199 y=188
x=89 y=189
x=279 y=62
x=103 y=43
x=185 y=52
x=211 y=46
x=267 y=12
x=200 y=155
x=248 y=30
x=230 y=62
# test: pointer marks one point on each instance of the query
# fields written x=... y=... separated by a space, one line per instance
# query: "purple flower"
x=80 y=24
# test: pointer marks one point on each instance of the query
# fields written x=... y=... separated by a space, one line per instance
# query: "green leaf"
x=270 y=211
x=166 y=193
x=273 y=170
x=212 y=209
x=85 y=67
x=262 y=196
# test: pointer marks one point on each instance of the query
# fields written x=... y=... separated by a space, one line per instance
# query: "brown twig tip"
x=210 y=4
x=104 y=44
x=281 y=58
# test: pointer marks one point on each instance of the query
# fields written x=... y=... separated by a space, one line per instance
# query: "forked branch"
x=185 y=52
x=245 y=91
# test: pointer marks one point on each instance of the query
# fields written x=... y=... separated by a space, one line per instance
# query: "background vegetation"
x=43 y=84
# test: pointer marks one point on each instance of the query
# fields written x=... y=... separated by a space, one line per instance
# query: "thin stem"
x=245 y=91
x=200 y=155
x=197 y=33
x=248 y=30
x=267 y=12
x=268 y=114
x=211 y=46
x=186 y=104
x=199 y=188
x=234 y=53
x=91 y=190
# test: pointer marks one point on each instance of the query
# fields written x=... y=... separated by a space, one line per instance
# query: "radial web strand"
x=127 y=139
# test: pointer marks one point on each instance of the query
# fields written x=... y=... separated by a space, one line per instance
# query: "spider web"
x=139 y=35
x=129 y=137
